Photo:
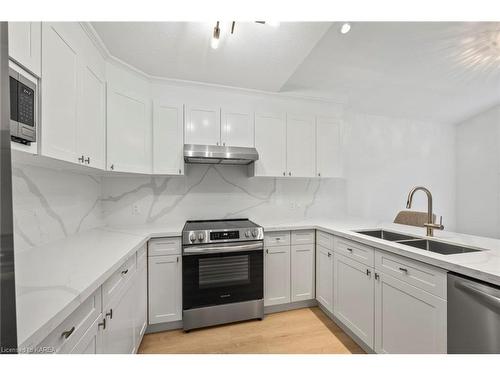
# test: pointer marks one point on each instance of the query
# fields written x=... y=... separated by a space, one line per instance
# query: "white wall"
x=386 y=157
x=478 y=183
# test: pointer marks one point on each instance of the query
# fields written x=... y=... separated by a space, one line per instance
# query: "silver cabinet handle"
x=180 y=172
x=112 y=167
x=68 y=333
x=81 y=159
x=87 y=160
x=349 y=249
x=319 y=174
x=329 y=255
x=405 y=270
x=125 y=272
x=368 y=272
x=177 y=259
x=377 y=276
x=110 y=314
x=103 y=324
x=267 y=251
x=289 y=173
x=284 y=174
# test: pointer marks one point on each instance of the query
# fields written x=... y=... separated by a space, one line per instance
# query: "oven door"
x=216 y=274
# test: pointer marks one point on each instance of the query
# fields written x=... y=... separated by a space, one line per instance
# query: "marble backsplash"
x=50 y=204
x=210 y=192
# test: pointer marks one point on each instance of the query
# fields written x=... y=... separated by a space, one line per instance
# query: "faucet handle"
x=441 y=226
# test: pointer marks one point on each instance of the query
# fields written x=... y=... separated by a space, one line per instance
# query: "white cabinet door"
x=407 y=319
x=129 y=131
x=237 y=128
x=59 y=94
x=119 y=335
x=302 y=272
x=328 y=147
x=277 y=275
x=91 y=129
x=165 y=288
x=324 y=277
x=25 y=45
x=270 y=142
x=353 y=297
x=202 y=125
x=168 y=138
x=90 y=342
x=300 y=146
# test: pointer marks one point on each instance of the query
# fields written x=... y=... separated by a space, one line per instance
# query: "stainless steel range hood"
x=207 y=154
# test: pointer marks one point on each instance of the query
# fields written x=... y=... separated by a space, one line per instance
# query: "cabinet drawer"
x=421 y=275
x=354 y=250
x=65 y=337
x=117 y=281
x=277 y=238
x=164 y=246
x=303 y=237
x=324 y=239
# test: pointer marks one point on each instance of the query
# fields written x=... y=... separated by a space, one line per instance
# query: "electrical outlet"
x=136 y=210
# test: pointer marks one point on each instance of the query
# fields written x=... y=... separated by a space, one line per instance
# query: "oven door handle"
x=192 y=250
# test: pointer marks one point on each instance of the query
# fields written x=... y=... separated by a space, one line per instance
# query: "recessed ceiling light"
x=345 y=28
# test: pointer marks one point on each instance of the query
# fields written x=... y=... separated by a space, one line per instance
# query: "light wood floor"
x=303 y=331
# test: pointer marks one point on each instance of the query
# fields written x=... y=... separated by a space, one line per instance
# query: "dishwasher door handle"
x=480 y=294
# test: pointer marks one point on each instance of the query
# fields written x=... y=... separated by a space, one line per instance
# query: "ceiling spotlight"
x=345 y=28
x=214 y=43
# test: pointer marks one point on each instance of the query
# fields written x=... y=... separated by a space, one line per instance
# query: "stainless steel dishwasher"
x=473 y=316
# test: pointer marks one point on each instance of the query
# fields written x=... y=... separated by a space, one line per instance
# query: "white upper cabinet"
x=25 y=45
x=91 y=129
x=168 y=138
x=129 y=131
x=300 y=146
x=59 y=92
x=202 y=125
x=237 y=128
x=73 y=96
x=270 y=142
x=328 y=147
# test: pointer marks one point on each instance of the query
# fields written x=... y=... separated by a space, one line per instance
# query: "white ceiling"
x=256 y=56
x=443 y=72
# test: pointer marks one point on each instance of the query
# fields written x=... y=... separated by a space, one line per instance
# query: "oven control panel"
x=214 y=236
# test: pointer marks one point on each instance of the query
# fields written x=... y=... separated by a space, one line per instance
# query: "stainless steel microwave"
x=23 y=103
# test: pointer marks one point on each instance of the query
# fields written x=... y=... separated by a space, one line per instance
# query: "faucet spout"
x=430 y=225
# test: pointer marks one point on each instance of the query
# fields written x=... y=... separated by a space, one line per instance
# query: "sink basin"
x=386 y=235
x=438 y=246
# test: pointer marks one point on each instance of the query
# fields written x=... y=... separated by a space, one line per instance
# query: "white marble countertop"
x=52 y=280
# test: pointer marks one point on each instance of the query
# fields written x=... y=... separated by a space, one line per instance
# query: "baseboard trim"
x=351 y=334
x=160 y=327
x=290 y=306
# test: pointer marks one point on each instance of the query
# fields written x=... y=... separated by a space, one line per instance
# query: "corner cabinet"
x=168 y=138
x=329 y=162
x=300 y=146
x=25 y=40
x=270 y=142
x=129 y=131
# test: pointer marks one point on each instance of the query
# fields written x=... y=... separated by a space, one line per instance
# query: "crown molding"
x=104 y=51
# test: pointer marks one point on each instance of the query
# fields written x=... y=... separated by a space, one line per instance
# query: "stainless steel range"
x=222 y=272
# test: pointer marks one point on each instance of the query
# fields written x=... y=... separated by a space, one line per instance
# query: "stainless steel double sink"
x=433 y=246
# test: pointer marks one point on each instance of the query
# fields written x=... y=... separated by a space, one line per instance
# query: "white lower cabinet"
x=277 y=275
x=302 y=272
x=165 y=288
x=90 y=343
x=324 y=277
x=141 y=291
x=408 y=319
x=353 y=294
